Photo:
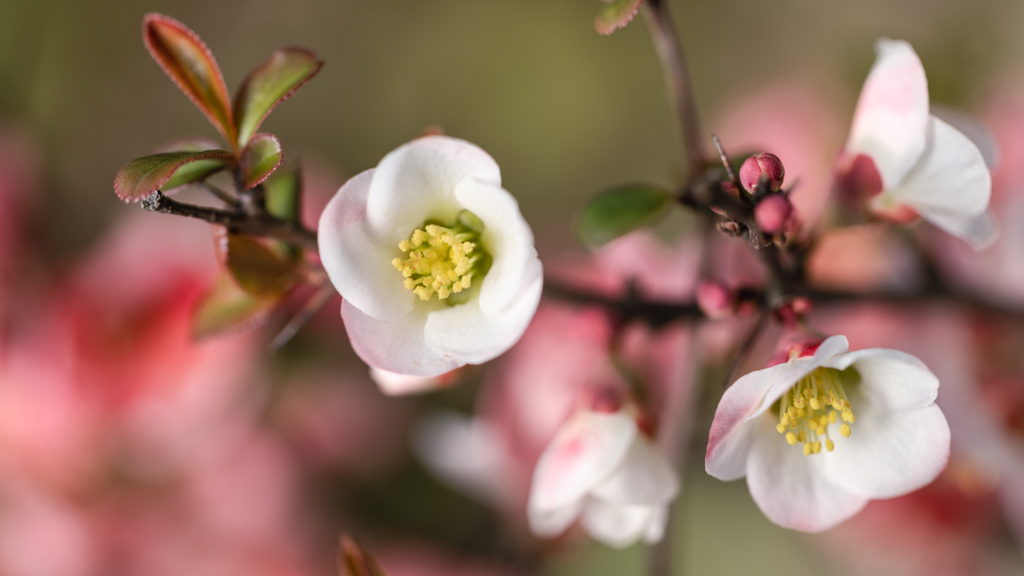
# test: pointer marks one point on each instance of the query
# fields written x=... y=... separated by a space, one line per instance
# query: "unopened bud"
x=772 y=213
x=730 y=228
x=714 y=299
x=758 y=165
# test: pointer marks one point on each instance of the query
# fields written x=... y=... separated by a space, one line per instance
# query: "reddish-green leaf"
x=616 y=15
x=188 y=144
x=187 y=60
x=256 y=268
x=140 y=177
x=227 y=309
x=260 y=158
x=268 y=85
x=353 y=560
x=283 y=193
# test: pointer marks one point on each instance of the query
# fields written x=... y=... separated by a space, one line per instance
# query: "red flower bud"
x=759 y=165
x=714 y=299
x=772 y=213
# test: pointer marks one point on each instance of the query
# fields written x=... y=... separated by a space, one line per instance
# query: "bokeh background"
x=566 y=112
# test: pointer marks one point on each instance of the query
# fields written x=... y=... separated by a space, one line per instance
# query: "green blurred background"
x=565 y=112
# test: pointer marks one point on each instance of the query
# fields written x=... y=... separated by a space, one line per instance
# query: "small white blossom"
x=601 y=468
x=819 y=436
x=434 y=262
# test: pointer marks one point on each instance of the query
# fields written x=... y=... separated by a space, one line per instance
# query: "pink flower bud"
x=772 y=213
x=714 y=299
x=759 y=165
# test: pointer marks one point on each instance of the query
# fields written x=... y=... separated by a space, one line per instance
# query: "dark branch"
x=677 y=80
x=255 y=225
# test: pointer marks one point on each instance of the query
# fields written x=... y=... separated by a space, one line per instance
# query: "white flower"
x=433 y=260
x=819 y=436
x=601 y=467
x=913 y=163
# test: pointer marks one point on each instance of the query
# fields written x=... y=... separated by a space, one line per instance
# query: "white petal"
x=395 y=384
x=643 y=477
x=416 y=182
x=550 y=522
x=617 y=525
x=731 y=434
x=583 y=453
x=656 y=528
x=399 y=345
x=975 y=130
x=799 y=368
x=892 y=112
x=507 y=237
x=467 y=333
x=893 y=379
x=791 y=488
x=360 y=268
x=465 y=453
x=979 y=231
x=890 y=453
x=950 y=179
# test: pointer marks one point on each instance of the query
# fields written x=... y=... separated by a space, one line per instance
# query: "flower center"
x=443 y=260
x=809 y=407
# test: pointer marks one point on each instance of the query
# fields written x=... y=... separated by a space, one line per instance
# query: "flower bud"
x=758 y=165
x=772 y=213
x=714 y=299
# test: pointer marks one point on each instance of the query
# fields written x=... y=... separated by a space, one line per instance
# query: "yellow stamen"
x=812 y=405
x=438 y=260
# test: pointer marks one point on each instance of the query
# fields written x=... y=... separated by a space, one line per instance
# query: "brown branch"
x=308 y=310
x=677 y=80
x=255 y=225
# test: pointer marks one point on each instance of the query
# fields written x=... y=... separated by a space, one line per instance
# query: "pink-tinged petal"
x=398 y=345
x=893 y=379
x=890 y=453
x=395 y=384
x=791 y=488
x=979 y=231
x=643 y=477
x=890 y=123
x=583 y=453
x=359 y=267
x=800 y=367
x=416 y=182
x=950 y=179
x=731 y=435
x=617 y=525
x=506 y=237
x=466 y=332
x=466 y=453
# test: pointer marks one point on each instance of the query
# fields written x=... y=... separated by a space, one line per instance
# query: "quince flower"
x=910 y=162
x=821 y=434
x=434 y=262
x=600 y=466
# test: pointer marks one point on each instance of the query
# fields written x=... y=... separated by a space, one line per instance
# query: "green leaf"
x=188 y=144
x=621 y=210
x=226 y=308
x=190 y=64
x=283 y=193
x=256 y=268
x=269 y=84
x=260 y=158
x=616 y=15
x=142 y=176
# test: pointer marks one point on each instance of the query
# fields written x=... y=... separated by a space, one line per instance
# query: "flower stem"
x=677 y=80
